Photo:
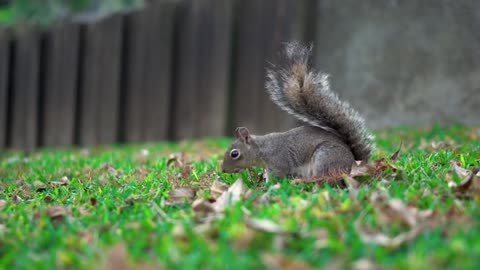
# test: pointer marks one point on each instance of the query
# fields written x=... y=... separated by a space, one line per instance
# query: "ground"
x=166 y=206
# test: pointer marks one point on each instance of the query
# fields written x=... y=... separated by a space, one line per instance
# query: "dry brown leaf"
x=179 y=195
x=321 y=235
x=438 y=145
x=2 y=204
x=265 y=225
x=93 y=201
x=379 y=238
x=279 y=262
x=56 y=214
x=87 y=237
x=39 y=186
x=392 y=210
x=48 y=199
x=17 y=199
x=470 y=182
x=64 y=181
x=231 y=196
x=203 y=205
x=218 y=188
x=395 y=155
x=117 y=258
x=176 y=159
x=143 y=155
x=459 y=170
x=365 y=264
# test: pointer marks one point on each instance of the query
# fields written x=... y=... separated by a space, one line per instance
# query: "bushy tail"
x=307 y=95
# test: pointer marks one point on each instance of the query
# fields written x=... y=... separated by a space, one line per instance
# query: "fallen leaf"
x=17 y=199
x=176 y=159
x=231 y=196
x=142 y=156
x=321 y=235
x=2 y=204
x=93 y=201
x=470 y=181
x=202 y=205
x=218 y=188
x=64 y=181
x=365 y=264
x=395 y=155
x=379 y=238
x=265 y=225
x=39 y=186
x=392 y=210
x=117 y=258
x=48 y=199
x=273 y=261
x=179 y=195
x=56 y=214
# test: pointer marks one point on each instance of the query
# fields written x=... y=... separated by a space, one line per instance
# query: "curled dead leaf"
x=265 y=225
x=379 y=238
x=39 y=186
x=3 y=203
x=218 y=188
x=365 y=264
x=275 y=261
x=93 y=201
x=392 y=210
x=48 y=199
x=64 y=181
x=470 y=182
x=117 y=258
x=143 y=155
x=176 y=159
x=202 y=205
x=56 y=214
x=180 y=195
x=395 y=155
x=231 y=196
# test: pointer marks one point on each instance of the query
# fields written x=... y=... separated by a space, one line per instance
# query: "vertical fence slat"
x=262 y=29
x=25 y=90
x=4 y=76
x=148 y=71
x=203 y=69
x=62 y=44
x=100 y=81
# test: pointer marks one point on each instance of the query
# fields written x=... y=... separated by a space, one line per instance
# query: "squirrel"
x=333 y=136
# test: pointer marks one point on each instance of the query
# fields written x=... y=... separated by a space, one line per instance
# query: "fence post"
x=60 y=71
x=262 y=28
x=203 y=66
x=4 y=82
x=25 y=90
x=148 y=56
x=100 y=80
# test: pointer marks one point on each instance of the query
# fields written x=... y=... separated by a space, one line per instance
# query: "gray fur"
x=326 y=147
x=322 y=109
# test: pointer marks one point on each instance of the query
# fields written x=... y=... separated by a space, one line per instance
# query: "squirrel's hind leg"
x=330 y=160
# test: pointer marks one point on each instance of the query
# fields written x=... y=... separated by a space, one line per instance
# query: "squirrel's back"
x=307 y=95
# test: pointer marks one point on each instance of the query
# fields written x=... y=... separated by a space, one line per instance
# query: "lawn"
x=166 y=206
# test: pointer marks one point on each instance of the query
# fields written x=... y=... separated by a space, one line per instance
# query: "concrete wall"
x=403 y=62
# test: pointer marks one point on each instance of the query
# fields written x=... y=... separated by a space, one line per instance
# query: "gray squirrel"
x=333 y=136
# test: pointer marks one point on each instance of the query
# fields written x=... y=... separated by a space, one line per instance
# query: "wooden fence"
x=173 y=70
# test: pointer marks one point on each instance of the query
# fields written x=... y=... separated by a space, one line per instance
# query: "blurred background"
x=90 y=72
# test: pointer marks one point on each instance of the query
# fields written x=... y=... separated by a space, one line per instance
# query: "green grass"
x=119 y=196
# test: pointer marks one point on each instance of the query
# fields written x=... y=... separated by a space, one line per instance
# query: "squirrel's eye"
x=234 y=154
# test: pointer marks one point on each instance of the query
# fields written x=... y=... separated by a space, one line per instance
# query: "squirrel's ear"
x=243 y=134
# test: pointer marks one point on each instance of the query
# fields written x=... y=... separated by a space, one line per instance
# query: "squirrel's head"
x=241 y=154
